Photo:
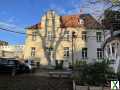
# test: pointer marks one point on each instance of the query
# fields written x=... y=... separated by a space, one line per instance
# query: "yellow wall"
x=79 y=43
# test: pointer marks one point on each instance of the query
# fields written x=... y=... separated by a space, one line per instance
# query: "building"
x=112 y=51
x=3 y=43
x=66 y=39
x=112 y=40
x=11 y=51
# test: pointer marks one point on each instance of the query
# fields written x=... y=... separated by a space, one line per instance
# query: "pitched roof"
x=74 y=21
x=70 y=21
x=36 y=26
x=90 y=22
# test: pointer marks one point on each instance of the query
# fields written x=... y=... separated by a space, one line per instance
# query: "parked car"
x=8 y=65
x=31 y=64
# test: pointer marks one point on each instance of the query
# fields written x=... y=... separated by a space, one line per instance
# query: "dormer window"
x=81 y=21
x=34 y=35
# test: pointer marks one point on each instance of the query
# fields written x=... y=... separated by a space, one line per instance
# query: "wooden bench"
x=60 y=74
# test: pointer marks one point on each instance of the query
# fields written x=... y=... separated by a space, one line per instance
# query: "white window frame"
x=49 y=35
x=98 y=36
x=84 y=53
x=99 y=53
x=33 y=51
x=66 y=52
x=49 y=50
x=84 y=35
x=34 y=35
x=66 y=35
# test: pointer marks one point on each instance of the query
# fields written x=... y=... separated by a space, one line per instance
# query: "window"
x=34 y=34
x=112 y=61
x=84 y=53
x=66 y=35
x=66 y=52
x=49 y=50
x=11 y=62
x=117 y=45
x=81 y=21
x=108 y=50
x=115 y=22
x=98 y=36
x=33 y=51
x=113 y=48
x=49 y=35
x=99 y=53
x=84 y=37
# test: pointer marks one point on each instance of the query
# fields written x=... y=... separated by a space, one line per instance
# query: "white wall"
x=92 y=44
x=11 y=51
x=12 y=47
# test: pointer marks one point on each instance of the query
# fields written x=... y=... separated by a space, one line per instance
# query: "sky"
x=18 y=14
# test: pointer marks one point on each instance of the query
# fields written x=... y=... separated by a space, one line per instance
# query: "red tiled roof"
x=90 y=22
x=36 y=26
x=74 y=21
x=70 y=21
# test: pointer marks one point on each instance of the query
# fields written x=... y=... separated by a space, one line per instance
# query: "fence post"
x=74 y=85
x=88 y=87
x=13 y=71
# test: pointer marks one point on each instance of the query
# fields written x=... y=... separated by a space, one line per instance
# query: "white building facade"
x=11 y=51
x=94 y=45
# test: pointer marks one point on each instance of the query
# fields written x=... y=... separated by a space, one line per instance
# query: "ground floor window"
x=33 y=49
x=84 y=53
x=66 y=52
x=99 y=53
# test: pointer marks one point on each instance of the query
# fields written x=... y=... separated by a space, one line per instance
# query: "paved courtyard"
x=33 y=82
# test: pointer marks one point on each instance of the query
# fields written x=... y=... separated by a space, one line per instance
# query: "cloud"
x=7 y=18
x=73 y=11
x=3 y=24
x=9 y=22
x=11 y=26
x=11 y=19
x=59 y=9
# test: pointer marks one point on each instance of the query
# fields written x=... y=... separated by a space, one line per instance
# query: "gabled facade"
x=68 y=38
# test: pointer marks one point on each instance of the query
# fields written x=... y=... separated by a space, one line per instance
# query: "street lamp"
x=73 y=36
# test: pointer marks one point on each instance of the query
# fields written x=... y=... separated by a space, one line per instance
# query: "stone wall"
x=78 y=87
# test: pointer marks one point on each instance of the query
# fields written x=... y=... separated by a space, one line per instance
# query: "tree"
x=55 y=39
x=111 y=20
x=111 y=3
x=3 y=43
x=108 y=5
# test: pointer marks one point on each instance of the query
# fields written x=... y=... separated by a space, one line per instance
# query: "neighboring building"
x=12 y=51
x=112 y=50
x=112 y=39
x=54 y=36
x=3 y=43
